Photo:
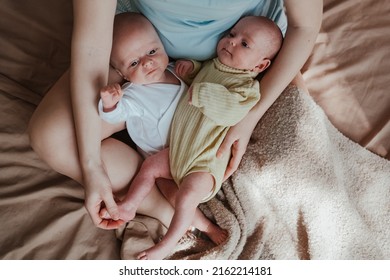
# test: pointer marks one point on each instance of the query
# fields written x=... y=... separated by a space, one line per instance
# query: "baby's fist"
x=110 y=95
x=183 y=67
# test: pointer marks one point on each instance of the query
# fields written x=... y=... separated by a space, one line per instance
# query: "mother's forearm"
x=296 y=49
x=86 y=81
x=91 y=47
x=88 y=135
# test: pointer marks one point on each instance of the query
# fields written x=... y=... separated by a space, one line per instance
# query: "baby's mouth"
x=226 y=51
x=152 y=71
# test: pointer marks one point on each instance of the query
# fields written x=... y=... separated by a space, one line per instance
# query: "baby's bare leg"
x=153 y=167
x=201 y=222
x=191 y=192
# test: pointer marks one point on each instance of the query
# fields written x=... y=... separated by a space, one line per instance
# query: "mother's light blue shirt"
x=191 y=29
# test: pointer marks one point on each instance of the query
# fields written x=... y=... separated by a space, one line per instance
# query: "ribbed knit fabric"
x=221 y=97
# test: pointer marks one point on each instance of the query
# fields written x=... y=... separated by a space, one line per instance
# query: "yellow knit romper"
x=221 y=97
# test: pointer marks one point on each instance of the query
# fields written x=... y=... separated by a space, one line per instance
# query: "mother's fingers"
x=93 y=205
x=111 y=206
x=226 y=145
x=237 y=154
x=110 y=224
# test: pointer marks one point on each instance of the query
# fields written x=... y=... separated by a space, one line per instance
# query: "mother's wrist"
x=90 y=165
x=253 y=118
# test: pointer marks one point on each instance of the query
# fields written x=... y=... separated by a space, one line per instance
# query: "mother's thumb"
x=225 y=147
x=112 y=208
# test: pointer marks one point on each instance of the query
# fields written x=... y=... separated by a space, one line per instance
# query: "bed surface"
x=342 y=128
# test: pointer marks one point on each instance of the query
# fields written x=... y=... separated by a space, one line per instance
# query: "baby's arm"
x=110 y=96
x=225 y=106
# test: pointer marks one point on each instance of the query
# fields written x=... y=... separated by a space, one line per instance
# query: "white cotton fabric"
x=148 y=111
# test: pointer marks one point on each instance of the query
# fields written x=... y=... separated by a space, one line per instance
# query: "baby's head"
x=251 y=44
x=137 y=52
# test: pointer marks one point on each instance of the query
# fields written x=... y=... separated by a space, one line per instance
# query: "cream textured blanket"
x=303 y=191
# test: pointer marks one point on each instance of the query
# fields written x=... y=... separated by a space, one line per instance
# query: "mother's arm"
x=91 y=47
x=304 y=22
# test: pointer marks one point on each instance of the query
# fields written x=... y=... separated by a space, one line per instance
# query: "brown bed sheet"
x=348 y=72
x=42 y=213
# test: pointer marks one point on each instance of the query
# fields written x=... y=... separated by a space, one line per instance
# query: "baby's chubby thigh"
x=206 y=163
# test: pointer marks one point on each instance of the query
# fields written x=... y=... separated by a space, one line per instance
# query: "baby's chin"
x=231 y=64
x=226 y=61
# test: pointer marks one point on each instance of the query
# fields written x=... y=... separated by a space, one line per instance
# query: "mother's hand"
x=236 y=140
x=98 y=193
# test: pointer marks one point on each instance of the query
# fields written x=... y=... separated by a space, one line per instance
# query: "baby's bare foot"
x=142 y=256
x=127 y=212
x=157 y=252
x=216 y=234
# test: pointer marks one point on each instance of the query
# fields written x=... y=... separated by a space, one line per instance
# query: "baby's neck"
x=170 y=78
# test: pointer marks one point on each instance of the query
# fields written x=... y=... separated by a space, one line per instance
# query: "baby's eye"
x=152 y=52
x=244 y=44
x=230 y=35
x=134 y=63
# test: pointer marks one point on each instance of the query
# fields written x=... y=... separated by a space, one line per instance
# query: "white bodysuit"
x=148 y=111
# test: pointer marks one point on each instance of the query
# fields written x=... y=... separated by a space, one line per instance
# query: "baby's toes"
x=104 y=214
x=142 y=256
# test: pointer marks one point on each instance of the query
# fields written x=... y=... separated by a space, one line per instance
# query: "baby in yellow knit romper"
x=221 y=94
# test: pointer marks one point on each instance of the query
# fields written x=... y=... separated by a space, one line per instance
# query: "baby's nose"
x=148 y=62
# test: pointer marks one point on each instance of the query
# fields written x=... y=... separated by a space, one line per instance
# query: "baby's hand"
x=110 y=95
x=183 y=67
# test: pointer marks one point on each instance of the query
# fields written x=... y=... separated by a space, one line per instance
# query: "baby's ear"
x=264 y=64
